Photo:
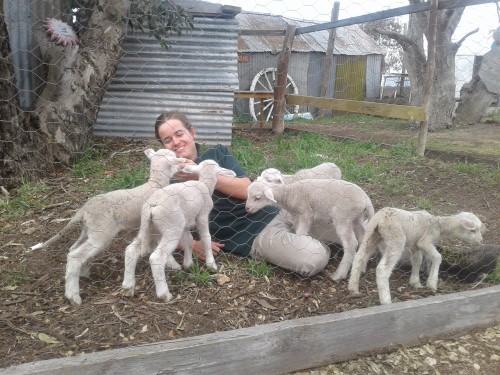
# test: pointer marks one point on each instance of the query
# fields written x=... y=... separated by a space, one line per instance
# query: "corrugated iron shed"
x=198 y=75
x=349 y=40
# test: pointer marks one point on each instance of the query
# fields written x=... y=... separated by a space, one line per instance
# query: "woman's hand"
x=200 y=252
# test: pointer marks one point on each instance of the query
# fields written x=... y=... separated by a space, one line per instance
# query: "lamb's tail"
x=77 y=218
x=369 y=212
x=369 y=237
x=144 y=234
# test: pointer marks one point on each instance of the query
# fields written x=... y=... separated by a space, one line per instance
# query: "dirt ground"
x=36 y=322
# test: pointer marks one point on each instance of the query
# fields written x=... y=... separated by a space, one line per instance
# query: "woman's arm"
x=235 y=187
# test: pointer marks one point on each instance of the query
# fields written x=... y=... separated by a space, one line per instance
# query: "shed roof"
x=349 y=40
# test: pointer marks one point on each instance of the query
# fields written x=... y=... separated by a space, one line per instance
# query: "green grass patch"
x=200 y=274
x=15 y=277
x=29 y=196
x=259 y=268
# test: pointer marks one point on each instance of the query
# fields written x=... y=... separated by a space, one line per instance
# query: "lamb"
x=342 y=203
x=321 y=171
x=394 y=231
x=170 y=213
x=105 y=215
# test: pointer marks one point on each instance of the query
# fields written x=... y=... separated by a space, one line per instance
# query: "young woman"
x=266 y=234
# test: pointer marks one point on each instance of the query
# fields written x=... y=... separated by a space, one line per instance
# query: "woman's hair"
x=171 y=115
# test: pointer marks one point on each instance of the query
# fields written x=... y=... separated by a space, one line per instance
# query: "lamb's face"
x=259 y=196
x=471 y=228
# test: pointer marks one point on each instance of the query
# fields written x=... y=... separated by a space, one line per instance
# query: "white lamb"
x=102 y=217
x=321 y=171
x=394 y=231
x=342 y=203
x=170 y=214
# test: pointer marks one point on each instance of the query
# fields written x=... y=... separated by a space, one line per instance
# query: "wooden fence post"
x=281 y=78
x=327 y=62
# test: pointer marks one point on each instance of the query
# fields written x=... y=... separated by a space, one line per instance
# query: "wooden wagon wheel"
x=264 y=81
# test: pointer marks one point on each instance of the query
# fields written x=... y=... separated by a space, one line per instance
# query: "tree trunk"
x=77 y=80
x=63 y=117
x=442 y=100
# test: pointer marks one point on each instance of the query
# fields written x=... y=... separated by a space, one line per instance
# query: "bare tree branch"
x=405 y=42
x=457 y=45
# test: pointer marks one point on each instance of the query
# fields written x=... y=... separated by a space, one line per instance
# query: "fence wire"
x=207 y=64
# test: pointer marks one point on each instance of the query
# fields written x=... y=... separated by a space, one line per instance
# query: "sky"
x=482 y=16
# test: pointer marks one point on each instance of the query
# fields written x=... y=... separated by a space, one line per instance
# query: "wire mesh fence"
x=278 y=279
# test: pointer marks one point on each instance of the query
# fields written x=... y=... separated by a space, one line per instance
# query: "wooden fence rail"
x=291 y=345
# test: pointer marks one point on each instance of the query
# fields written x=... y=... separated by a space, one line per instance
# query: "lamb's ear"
x=469 y=225
x=273 y=176
x=149 y=152
x=268 y=193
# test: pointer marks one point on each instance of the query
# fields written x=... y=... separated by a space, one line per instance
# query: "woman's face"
x=174 y=136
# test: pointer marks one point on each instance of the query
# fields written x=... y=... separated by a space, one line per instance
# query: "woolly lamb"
x=344 y=204
x=170 y=213
x=394 y=231
x=105 y=215
x=321 y=171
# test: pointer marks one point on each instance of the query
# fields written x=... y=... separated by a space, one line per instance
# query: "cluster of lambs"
x=319 y=194
x=166 y=214
x=163 y=212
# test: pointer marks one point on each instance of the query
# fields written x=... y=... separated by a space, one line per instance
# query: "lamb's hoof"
x=433 y=288
x=337 y=276
x=172 y=264
x=416 y=285
x=187 y=265
x=386 y=302
x=166 y=298
x=128 y=292
x=212 y=266
x=74 y=299
x=354 y=291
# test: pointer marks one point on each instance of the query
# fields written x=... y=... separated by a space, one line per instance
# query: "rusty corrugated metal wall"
x=198 y=75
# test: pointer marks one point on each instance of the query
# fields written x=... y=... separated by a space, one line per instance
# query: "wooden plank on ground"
x=406 y=112
x=291 y=345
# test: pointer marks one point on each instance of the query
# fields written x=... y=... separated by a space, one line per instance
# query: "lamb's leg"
x=435 y=257
x=77 y=258
x=359 y=227
x=350 y=245
x=389 y=260
x=416 y=263
x=132 y=255
x=187 y=245
x=158 y=259
x=172 y=264
x=366 y=250
x=85 y=268
x=304 y=223
x=206 y=240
